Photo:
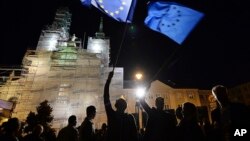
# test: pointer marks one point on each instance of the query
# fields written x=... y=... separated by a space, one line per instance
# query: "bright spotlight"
x=140 y=92
x=138 y=76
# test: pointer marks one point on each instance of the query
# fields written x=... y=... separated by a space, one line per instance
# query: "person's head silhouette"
x=189 y=111
x=91 y=112
x=121 y=105
x=13 y=126
x=159 y=103
x=72 y=120
x=220 y=94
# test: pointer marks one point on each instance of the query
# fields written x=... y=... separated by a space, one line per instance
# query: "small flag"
x=172 y=19
x=120 y=10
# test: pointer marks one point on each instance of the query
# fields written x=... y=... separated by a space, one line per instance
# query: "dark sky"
x=217 y=51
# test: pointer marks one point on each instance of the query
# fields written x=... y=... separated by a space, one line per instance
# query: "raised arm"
x=145 y=105
x=106 y=90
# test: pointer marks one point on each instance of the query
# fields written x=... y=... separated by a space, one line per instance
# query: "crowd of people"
x=161 y=125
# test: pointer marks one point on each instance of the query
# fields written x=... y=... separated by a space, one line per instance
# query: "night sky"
x=217 y=51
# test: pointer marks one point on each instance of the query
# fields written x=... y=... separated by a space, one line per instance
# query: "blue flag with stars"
x=86 y=3
x=120 y=10
x=172 y=19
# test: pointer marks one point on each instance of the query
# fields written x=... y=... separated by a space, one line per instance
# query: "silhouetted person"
x=2 y=128
x=103 y=132
x=87 y=132
x=207 y=128
x=188 y=128
x=11 y=130
x=36 y=134
x=20 y=132
x=215 y=115
x=161 y=124
x=48 y=133
x=178 y=113
x=216 y=124
x=121 y=126
x=228 y=116
x=69 y=133
x=104 y=128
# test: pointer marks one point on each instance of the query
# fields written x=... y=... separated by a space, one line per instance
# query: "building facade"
x=62 y=72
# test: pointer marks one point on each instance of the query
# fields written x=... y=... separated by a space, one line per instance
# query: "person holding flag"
x=121 y=126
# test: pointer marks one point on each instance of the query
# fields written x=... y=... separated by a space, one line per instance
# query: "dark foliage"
x=31 y=120
x=44 y=112
x=44 y=117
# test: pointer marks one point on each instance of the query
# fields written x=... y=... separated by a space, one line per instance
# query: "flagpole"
x=165 y=63
x=133 y=4
x=121 y=44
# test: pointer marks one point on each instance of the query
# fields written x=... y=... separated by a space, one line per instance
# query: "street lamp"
x=140 y=92
x=138 y=76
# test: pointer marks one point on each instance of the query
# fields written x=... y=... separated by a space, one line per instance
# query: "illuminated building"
x=240 y=93
x=62 y=72
x=173 y=97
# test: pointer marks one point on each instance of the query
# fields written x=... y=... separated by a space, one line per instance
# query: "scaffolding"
x=62 y=72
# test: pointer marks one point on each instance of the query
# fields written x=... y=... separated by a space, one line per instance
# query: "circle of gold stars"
x=116 y=11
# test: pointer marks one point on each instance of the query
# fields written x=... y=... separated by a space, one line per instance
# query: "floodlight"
x=140 y=92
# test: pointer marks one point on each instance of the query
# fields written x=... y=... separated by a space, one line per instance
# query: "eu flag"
x=171 y=19
x=120 y=10
x=86 y=3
